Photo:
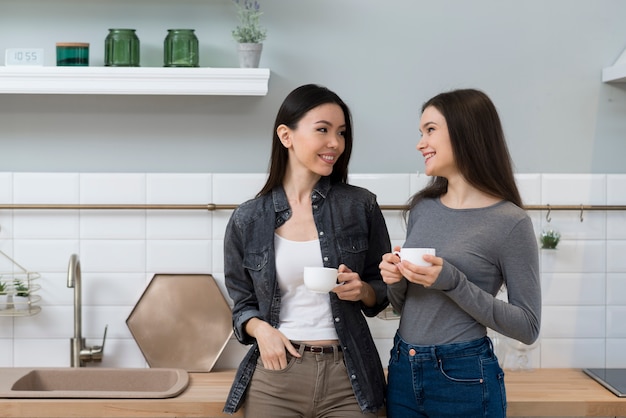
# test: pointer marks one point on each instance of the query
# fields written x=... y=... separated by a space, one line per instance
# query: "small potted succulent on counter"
x=21 y=295
x=550 y=239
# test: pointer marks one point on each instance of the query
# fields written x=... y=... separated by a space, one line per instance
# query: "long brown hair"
x=293 y=109
x=478 y=145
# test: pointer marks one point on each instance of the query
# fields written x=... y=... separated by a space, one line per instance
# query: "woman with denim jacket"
x=442 y=363
x=312 y=354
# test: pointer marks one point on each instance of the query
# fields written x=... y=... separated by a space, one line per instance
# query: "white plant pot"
x=249 y=55
x=21 y=303
x=4 y=300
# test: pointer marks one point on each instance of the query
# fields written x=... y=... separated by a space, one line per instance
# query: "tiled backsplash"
x=584 y=280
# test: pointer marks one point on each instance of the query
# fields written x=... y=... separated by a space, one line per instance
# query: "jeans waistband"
x=461 y=349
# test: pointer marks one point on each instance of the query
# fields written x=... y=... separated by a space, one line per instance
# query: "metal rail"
x=37 y=206
x=213 y=207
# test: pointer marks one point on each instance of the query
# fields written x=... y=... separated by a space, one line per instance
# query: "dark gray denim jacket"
x=351 y=231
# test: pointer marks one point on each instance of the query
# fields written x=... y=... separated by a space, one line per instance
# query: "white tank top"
x=304 y=315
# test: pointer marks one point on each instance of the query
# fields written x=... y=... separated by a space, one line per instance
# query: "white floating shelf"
x=617 y=72
x=135 y=80
x=614 y=74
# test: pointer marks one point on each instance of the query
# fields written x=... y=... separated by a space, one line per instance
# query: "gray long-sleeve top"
x=482 y=249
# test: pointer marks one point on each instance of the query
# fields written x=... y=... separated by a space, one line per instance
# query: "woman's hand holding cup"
x=389 y=267
x=417 y=265
x=415 y=255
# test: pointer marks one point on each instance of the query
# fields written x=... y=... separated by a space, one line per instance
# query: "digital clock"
x=23 y=56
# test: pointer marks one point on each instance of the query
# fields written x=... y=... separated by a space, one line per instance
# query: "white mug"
x=320 y=279
x=415 y=255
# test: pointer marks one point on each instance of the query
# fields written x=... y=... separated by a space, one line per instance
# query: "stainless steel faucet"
x=79 y=352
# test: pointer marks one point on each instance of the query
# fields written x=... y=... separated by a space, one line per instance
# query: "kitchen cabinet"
x=134 y=80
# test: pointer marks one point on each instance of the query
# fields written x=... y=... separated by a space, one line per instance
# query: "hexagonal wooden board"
x=181 y=321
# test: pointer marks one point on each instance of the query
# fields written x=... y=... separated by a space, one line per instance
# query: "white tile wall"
x=583 y=281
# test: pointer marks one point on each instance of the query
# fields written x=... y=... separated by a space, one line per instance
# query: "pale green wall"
x=540 y=61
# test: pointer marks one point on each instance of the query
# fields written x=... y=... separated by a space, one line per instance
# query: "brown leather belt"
x=318 y=349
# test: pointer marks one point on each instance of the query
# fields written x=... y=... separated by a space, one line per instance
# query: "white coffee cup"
x=415 y=255
x=320 y=279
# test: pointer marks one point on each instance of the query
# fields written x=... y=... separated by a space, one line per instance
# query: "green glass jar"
x=121 y=48
x=180 y=48
x=72 y=54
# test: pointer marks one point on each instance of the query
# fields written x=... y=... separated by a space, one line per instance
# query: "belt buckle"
x=317 y=349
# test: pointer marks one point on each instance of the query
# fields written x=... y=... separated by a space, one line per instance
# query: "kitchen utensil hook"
x=581 y=212
x=548 y=218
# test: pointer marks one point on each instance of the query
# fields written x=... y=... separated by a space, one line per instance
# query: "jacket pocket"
x=353 y=252
x=255 y=261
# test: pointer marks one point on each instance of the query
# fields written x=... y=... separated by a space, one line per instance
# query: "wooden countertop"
x=559 y=392
x=540 y=393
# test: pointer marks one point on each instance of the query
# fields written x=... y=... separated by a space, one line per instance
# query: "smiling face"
x=435 y=144
x=317 y=141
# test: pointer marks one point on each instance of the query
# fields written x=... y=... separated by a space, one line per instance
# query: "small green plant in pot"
x=4 y=295
x=21 y=295
x=550 y=239
x=20 y=288
x=249 y=34
x=249 y=30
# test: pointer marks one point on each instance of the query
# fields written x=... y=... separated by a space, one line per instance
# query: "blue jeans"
x=450 y=380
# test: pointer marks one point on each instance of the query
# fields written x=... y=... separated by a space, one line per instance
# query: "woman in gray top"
x=442 y=363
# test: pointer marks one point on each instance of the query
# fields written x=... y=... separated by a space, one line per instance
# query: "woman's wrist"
x=369 y=296
x=252 y=325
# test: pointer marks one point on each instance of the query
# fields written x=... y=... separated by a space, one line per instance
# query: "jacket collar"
x=279 y=197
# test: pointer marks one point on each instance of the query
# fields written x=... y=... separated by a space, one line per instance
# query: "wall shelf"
x=617 y=72
x=16 y=281
x=134 y=81
x=614 y=74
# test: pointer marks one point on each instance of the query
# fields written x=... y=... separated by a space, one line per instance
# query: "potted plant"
x=21 y=296
x=4 y=295
x=550 y=239
x=249 y=34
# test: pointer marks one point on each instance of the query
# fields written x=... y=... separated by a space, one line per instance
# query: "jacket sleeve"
x=397 y=291
x=238 y=282
x=379 y=244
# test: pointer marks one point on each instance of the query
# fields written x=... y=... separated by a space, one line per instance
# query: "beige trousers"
x=313 y=386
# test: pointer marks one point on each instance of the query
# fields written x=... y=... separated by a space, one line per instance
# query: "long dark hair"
x=294 y=108
x=478 y=145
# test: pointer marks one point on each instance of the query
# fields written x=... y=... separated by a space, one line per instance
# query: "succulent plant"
x=550 y=239
x=20 y=288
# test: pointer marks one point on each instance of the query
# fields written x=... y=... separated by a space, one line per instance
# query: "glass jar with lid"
x=72 y=54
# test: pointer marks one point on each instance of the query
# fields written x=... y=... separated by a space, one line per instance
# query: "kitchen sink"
x=92 y=382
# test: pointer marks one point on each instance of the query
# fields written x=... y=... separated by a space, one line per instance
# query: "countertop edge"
x=539 y=393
